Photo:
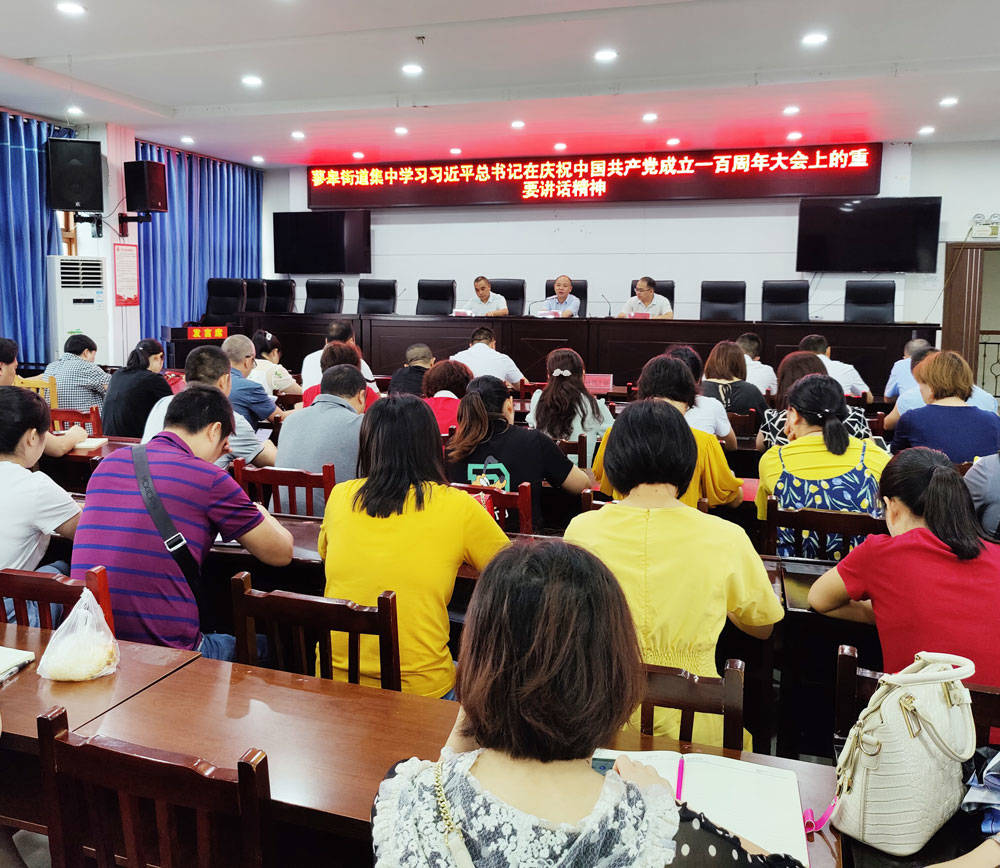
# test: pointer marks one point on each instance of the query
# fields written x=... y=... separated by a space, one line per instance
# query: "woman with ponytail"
x=267 y=369
x=921 y=584
x=564 y=409
x=488 y=446
x=134 y=390
x=823 y=466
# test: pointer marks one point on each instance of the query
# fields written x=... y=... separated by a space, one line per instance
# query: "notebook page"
x=12 y=657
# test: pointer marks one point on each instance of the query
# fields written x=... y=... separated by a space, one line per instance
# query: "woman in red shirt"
x=444 y=388
x=927 y=584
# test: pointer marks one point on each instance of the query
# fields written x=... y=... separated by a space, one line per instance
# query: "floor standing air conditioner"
x=78 y=299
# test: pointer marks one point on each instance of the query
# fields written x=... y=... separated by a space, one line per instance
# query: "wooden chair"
x=310 y=620
x=857 y=400
x=280 y=485
x=877 y=424
x=506 y=502
x=91 y=420
x=818 y=521
x=589 y=502
x=22 y=586
x=162 y=808
x=677 y=688
x=578 y=447
x=744 y=424
x=963 y=468
x=527 y=389
x=382 y=382
x=855 y=687
x=44 y=386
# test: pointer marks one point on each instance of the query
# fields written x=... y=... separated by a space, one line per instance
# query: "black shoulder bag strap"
x=173 y=539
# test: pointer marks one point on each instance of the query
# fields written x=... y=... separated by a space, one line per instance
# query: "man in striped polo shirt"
x=150 y=597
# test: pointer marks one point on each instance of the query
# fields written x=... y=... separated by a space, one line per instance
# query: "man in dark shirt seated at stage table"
x=249 y=398
x=409 y=379
x=563 y=301
x=150 y=597
x=80 y=384
x=326 y=432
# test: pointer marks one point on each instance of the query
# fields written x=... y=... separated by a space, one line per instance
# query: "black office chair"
x=784 y=301
x=256 y=296
x=511 y=289
x=579 y=290
x=870 y=301
x=435 y=297
x=723 y=299
x=663 y=287
x=227 y=297
x=280 y=296
x=325 y=295
x=376 y=296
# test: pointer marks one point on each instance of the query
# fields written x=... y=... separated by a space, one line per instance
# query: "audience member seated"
x=400 y=527
x=267 y=369
x=35 y=506
x=56 y=445
x=150 y=597
x=563 y=301
x=485 y=302
x=901 y=376
x=793 y=368
x=948 y=422
x=758 y=374
x=564 y=409
x=338 y=330
x=444 y=387
x=847 y=375
x=725 y=380
x=822 y=467
x=326 y=432
x=514 y=783
x=706 y=414
x=488 y=445
x=983 y=482
x=921 y=584
x=248 y=398
x=340 y=353
x=134 y=391
x=646 y=301
x=654 y=544
x=208 y=366
x=80 y=383
x=409 y=379
x=668 y=379
x=483 y=359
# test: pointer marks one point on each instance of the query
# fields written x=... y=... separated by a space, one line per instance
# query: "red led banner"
x=826 y=170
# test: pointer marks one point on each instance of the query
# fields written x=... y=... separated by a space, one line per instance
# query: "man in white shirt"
x=486 y=302
x=761 y=375
x=339 y=330
x=483 y=359
x=846 y=375
x=646 y=300
x=563 y=301
x=901 y=376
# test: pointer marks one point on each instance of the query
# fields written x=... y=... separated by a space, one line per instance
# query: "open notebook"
x=757 y=802
x=12 y=659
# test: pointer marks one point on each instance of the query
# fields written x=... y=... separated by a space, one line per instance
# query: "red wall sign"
x=207 y=333
x=826 y=170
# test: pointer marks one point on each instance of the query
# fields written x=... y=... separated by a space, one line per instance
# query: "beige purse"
x=899 y=777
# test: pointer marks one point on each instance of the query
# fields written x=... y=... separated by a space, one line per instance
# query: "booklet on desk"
x=13 y=660
x=757 y=802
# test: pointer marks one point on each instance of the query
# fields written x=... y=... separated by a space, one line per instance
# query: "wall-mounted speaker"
x=145 y=186
x=75 y=180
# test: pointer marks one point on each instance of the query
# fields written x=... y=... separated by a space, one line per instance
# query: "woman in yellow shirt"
x=399 y=527
x=668 y=379
x=683 y=572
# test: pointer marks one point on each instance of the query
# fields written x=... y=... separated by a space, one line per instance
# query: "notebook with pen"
x=12 y=660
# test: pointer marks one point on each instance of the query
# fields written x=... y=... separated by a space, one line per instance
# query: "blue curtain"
x=29 y=231
x=212 y=229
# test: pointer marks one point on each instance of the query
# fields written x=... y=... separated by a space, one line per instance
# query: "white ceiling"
x=717 y=72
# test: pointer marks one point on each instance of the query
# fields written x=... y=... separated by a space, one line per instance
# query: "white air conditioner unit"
x=78 y=299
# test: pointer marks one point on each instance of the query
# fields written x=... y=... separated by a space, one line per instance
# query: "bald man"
x=249 y=398
x=563 y=301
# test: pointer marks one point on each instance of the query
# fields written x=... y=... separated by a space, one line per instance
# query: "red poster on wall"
x=126 y=275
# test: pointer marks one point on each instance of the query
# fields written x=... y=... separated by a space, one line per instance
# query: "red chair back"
x=91 y=420
x=279 y=485
x=506 y=502
x=22 y=586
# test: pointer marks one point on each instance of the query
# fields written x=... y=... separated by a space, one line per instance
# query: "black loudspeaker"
x=145 y=186
x=75 y=181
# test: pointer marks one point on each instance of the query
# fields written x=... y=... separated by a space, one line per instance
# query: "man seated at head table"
x=563 y=301
x=409 y=379
x=209 y=366
x=151 y=599
x=80 y=382
x=483 y=359
x=485 y=302
x=847 y=375
x=646 y=300
x=56 y=445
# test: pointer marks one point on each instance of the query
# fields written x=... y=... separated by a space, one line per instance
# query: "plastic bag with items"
x=83 y=647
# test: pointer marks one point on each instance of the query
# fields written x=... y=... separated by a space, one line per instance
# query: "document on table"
x=12 y=660
x=757 y=802
x=90 y=443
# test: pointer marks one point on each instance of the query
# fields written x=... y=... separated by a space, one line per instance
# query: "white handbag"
x=899 y=777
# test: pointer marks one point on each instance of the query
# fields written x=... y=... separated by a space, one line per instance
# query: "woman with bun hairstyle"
x=134 y=390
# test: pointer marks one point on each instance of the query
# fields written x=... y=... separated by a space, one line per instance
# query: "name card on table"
x=639 y=315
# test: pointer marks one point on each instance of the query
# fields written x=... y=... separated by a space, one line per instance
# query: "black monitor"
x=322 y=242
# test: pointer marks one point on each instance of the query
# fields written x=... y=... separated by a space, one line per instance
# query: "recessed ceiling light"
x=560 y=146
x=69 y=8
x=948 y=102
x=412 y=69
x=358 y=155
x=187 y=140
x=790 y=110
x=649 y=117
x=605 y=55
x=401 y=131
x=517 y=125
x=811 y=40
x=257 y=158
x=455 y=151
x=74 y=110
x=926 y=131
x=673 y=141
x=794 y=136
x=298 y=134
x=252 y=80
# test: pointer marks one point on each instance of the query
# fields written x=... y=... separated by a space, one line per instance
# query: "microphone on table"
x=533 y=303
x=608 y=302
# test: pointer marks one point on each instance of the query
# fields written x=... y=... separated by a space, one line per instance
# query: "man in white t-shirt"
x=646 y=300
x=486 y=302
x=483 y=359
x=706 y=414
x=761 y=375
x=847 y=375
x=338 y=330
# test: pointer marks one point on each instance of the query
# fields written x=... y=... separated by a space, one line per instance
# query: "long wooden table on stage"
x=608 y=345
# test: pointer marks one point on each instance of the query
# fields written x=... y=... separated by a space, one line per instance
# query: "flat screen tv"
x=876 y=234
x=322 y=242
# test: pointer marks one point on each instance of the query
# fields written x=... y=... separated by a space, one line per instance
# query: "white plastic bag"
x=83 y=647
